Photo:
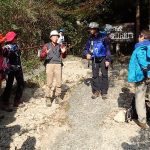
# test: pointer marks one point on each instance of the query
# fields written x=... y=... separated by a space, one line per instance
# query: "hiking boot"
x=143 y=125
x=104 y=96
x=48 y=102
x=95 y=95
x=58 y=100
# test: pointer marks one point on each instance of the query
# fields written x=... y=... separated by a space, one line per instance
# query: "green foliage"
x=29 y=18
x=30 y=64
x=69 y=3
x=84 y=11
x=34 y=19
x=64 y=2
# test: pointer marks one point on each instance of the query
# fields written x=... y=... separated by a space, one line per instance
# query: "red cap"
x=10 y=36
x=2 y=38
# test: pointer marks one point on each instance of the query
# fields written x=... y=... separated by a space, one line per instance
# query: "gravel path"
x=85 y=116
x=91 y=121
x=79 y=123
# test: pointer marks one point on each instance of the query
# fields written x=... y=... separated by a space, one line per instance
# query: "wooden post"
x=137 y=19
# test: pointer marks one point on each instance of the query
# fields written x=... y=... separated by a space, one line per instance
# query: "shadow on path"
x=7 y=131
x=140 y=142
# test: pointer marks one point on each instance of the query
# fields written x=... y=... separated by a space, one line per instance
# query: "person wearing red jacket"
x=52 y=54
x=2 y=75
x=12 y=53
x=2 y=41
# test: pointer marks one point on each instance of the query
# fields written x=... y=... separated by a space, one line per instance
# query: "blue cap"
x=103 y=34
x=61 y=30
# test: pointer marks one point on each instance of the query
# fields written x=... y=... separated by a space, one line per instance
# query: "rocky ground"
x=24 y=128
x=79 y=123
x=91 y=123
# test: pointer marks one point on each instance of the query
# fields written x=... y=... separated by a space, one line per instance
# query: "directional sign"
x=121 y=32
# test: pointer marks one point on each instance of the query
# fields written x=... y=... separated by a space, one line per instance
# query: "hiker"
x=2 y=65
x=2 y=76
x=61 y=38
x=12 y=53
x=52 y=52
x=139 y=73
x=97 y=50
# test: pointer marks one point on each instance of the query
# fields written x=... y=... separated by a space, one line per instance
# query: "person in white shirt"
x=61 y=39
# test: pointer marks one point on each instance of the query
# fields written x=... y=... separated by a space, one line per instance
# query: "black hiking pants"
x=18 y=75
x=100 y=83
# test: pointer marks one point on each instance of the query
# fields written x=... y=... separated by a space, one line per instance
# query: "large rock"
x=120 y=117
x=123 y=73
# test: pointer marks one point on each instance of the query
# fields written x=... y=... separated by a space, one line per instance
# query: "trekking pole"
x=88 y=63
x=91 y=51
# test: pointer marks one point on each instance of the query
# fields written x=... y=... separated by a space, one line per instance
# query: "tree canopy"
x=33 y=19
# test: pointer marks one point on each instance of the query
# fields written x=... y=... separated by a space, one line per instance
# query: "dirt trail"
x=79 y=123
x=91 y=124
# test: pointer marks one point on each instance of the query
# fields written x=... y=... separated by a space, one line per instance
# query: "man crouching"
x=53 y=52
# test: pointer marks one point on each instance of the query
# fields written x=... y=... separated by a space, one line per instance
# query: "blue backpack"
x=98 y=48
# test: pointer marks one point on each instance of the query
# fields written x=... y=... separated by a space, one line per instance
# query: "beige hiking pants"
x=140 y=101
x=53 y=71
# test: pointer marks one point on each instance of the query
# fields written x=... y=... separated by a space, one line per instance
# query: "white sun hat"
x=54 y=33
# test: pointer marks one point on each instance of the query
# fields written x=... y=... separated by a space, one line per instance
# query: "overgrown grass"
x=37 y=81
x=30 y=65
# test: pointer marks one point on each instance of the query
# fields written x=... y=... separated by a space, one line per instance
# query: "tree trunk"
x=137 y=19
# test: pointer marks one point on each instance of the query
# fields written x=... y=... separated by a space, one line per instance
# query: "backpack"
x=8 y=50
x=131 y=111
x=98 y=47
x=3 y=68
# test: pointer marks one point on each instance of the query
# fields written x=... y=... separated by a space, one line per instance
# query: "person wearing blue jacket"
x=139 y=73
x=97 y=50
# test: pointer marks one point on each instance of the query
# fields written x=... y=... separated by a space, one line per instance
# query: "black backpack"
x=131 y=111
